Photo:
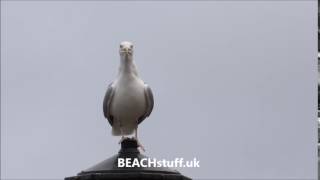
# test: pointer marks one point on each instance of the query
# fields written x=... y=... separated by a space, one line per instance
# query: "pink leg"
x=138 y=142
x=122 y=136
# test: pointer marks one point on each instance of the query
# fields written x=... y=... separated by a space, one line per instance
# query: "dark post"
x=108 y=169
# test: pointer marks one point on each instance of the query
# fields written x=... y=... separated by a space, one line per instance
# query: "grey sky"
x=234 y=85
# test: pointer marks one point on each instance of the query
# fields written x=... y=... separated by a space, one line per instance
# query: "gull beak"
x=126 y=50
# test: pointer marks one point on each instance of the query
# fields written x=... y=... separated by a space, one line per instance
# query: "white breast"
x=128 y=103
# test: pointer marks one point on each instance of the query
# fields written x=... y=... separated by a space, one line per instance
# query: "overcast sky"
x=234 y=85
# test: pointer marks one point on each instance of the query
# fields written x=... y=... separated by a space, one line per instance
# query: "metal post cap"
x=108 y=169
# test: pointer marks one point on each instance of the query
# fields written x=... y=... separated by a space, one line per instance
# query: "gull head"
x=126 y=48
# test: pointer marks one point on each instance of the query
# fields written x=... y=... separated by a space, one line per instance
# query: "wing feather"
x=107 y=103
x=150 y=103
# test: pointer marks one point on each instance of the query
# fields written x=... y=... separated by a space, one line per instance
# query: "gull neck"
x=127 y=66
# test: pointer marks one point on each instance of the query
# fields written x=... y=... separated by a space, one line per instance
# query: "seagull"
x=128 y=100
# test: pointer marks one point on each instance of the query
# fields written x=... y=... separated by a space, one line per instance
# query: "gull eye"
x=121 y=46
x=131 y=46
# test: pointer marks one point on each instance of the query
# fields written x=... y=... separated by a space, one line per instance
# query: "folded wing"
x=107 y=103
x=149 y=103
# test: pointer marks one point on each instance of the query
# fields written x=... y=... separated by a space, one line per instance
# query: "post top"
x=108 y=169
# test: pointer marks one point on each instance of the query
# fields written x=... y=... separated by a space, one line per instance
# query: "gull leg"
x=122 y=136
x=138 y=142
x=136 y=133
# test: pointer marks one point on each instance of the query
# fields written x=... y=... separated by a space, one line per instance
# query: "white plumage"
x=128 y=100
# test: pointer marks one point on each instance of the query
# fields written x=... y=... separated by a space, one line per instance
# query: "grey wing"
x=149 y=100
x=107 y=103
